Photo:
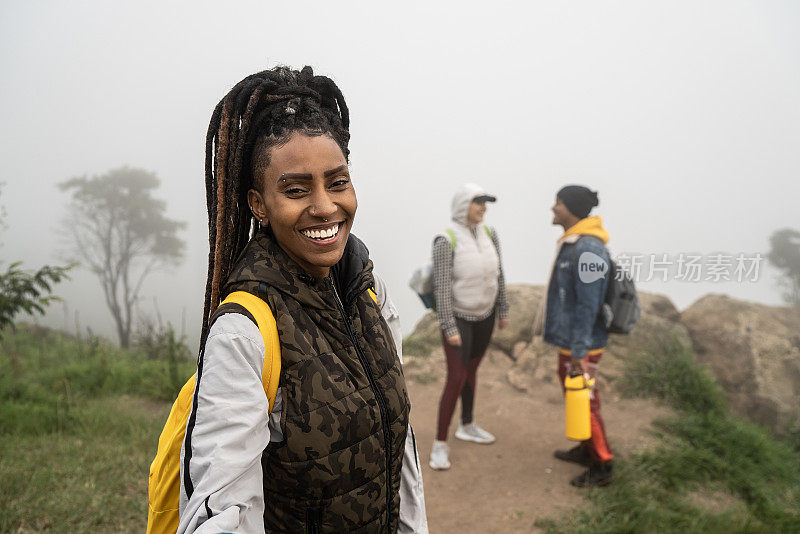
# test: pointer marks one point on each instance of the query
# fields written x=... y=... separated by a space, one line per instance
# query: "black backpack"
x=621 y=310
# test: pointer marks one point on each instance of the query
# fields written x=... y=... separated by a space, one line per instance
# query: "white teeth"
x=326 y=233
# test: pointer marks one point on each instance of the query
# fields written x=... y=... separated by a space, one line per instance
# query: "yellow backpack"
x=164 y=486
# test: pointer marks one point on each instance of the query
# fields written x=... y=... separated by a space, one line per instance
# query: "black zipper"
x=313 y=520
x=414 y=442
x=378 y=395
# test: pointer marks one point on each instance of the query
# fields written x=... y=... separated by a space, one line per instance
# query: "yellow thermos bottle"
x=578 y=391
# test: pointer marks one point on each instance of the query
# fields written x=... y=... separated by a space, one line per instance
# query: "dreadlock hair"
x=260 y=112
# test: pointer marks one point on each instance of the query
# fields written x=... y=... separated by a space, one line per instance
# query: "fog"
x=683 y=115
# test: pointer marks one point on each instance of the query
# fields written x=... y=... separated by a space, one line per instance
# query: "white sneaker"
x=439 y=452
x=472 y=432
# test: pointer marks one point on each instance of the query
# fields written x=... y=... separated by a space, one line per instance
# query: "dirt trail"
x=506 y=486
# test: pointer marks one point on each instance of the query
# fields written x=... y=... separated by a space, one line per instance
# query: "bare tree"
x=784 y=254
x=120 y=231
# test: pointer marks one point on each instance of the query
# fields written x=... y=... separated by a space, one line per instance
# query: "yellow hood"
x=588 y=226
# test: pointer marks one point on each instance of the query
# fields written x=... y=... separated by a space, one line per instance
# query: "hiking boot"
x=439 y=453
x=472 y=432
x=598 y=474
x=578 y=454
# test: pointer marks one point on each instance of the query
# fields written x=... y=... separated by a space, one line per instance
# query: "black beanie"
x=578 y=199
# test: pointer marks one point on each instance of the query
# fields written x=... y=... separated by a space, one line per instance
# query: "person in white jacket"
x=237 y=481
x=335 y=453
x=470 y=292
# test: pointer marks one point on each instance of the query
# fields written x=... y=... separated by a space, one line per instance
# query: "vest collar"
x=263 y=260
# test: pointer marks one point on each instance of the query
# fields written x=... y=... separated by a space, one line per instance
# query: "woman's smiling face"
x=306 y=196
x=475 y=212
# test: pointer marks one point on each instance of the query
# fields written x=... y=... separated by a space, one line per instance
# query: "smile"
x=324 y=234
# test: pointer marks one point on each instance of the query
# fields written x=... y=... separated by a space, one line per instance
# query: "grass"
x=419 y=346
x=703 y=452
x=79 y=424
x=92 y=478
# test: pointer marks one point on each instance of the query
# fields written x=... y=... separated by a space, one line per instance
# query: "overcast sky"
x=683 y=115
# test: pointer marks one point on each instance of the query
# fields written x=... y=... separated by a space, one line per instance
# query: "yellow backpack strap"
x=270 y=375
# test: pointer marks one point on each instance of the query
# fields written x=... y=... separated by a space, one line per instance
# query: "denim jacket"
x=575 y=296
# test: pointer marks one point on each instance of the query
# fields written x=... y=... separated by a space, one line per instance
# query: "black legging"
x=462 y=368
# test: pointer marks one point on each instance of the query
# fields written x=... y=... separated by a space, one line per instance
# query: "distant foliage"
x=160 y=342
x=119 y=230
x=784 y=254
x=22 y=291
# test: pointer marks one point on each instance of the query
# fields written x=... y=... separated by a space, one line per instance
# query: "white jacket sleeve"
x=413 y=518
x=227 y=432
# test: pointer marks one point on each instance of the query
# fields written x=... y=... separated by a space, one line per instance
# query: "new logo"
x=591 y=267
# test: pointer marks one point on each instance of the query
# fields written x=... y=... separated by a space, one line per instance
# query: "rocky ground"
x=507 y=486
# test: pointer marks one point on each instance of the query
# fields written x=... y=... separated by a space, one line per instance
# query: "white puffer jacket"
x=476 y=265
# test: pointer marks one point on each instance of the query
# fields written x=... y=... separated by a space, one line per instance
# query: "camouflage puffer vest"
x=345 y=406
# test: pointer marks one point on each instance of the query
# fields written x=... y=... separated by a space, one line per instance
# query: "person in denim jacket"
x=570 y=318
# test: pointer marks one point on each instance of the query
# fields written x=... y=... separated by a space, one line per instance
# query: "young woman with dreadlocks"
x=335 y=453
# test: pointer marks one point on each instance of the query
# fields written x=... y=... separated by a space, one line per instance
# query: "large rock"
x=754 y=351
x=523 y=300
x=659 y=306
